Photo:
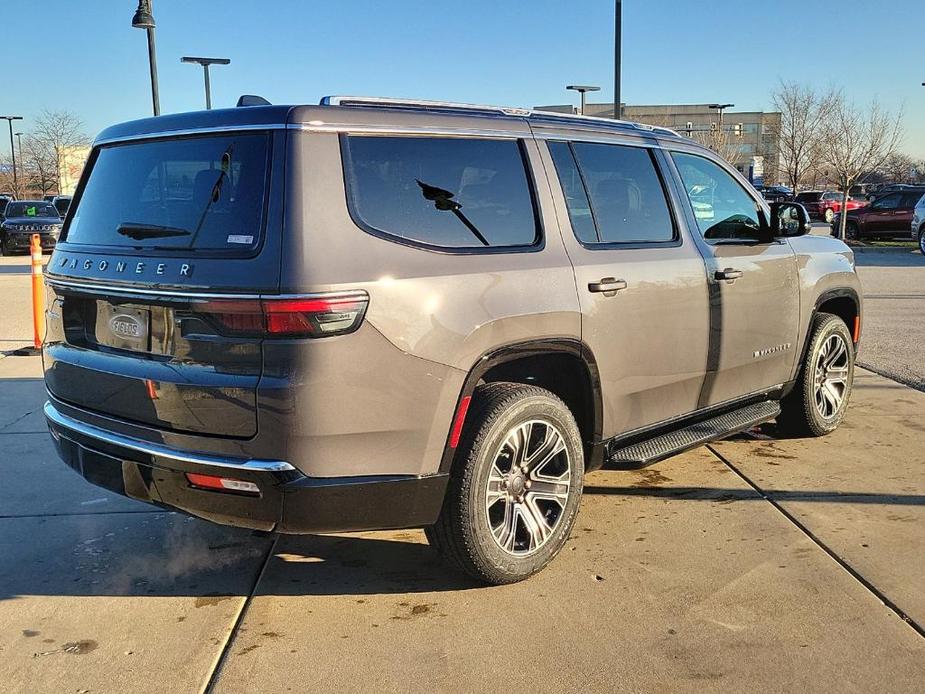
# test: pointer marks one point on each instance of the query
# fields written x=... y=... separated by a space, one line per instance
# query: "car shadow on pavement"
x=161 y=554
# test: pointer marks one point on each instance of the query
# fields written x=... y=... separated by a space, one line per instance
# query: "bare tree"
x=803 y=113
x=40 y=165
x=859 y=139
x=56 y=132
x=723 y=142
x=897 y=168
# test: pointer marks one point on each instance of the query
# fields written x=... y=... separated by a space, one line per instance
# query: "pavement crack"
x=242 y=613
x=871 y=588
x=893 y=376
x=88 y=513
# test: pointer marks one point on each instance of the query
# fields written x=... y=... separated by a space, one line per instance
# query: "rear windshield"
x=809 y=197
x=198 y=193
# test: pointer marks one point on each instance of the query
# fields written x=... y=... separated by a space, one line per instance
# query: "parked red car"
x=890 y=215
x=825 y=204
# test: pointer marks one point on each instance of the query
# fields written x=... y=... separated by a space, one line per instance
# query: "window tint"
x=888 y=202
x=447 y=192
x=626 y=193
x=832 y=196
x=809 y=197
x=201 y=193
x=910 y=199
x=576 y=197
x=721 y=206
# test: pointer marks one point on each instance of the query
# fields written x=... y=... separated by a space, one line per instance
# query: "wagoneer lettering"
x=425 y=315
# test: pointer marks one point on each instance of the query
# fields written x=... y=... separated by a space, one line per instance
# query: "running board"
x=652 y=450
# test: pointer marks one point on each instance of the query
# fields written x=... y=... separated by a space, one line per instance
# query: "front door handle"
x=608 y=286
x=727 y=274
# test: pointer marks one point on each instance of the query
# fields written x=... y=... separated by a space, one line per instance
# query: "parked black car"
x=24 y=218
x=776 y=193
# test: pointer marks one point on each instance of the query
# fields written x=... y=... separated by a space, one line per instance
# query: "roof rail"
x=484 y=109
x=421 y=104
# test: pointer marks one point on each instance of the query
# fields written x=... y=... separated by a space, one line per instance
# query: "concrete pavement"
x=773 y=565
x=893 y=341
x=681 y=577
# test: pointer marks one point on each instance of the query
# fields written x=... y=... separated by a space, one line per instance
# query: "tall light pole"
x=144 y=19
x=19 y=146
x=206 y=62
x=582 y=89
x=9 y=120
x=617 y=52
x=721 y=108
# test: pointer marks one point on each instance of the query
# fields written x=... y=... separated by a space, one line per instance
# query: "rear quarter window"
x=197 y=193
x=441 y=192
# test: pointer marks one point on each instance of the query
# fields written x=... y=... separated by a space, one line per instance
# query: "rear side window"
x=809 y=197
x=449 y=193
x=198 y=193
x=627 y=199
x=576 y=197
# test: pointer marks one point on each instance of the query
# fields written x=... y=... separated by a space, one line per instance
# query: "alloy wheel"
x=922 y=241
x=528 y=487
x=831 y=376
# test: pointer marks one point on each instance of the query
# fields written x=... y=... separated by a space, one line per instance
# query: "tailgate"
x=156 y=362
x=158 y=228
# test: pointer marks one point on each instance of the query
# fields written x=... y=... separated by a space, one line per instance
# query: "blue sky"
x=512 y=53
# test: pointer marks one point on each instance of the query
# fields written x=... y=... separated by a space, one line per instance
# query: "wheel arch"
x=564 y=366
x=840 y=301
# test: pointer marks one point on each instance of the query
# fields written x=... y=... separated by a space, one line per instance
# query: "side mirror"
x=789 y=219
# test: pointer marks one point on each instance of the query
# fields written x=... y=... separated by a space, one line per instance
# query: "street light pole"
x=617 y=59
x=9 y=120
x=582 y=89
x=721 y=108
x=19 y=145
x=206 y=62
x=144 y=19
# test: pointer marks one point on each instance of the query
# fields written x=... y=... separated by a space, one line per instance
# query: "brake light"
x=316 y=316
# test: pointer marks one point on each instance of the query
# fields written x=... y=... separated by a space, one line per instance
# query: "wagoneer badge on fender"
x=126 y=266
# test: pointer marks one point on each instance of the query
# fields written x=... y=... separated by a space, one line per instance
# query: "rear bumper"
x=288 y=501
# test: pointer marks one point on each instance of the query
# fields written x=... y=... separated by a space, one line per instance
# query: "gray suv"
x=374 y=313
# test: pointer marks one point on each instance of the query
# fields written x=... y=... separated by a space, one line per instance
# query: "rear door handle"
x=727 y=274
x=607 y=286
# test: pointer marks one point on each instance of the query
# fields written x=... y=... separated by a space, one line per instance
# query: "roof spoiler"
x=252 y=100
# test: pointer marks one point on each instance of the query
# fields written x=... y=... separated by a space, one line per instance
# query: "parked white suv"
x=918 y=223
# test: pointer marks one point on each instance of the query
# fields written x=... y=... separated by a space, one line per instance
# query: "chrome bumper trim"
x=69 y=423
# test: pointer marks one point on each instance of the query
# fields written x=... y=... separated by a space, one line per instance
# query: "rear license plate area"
x=123 y=327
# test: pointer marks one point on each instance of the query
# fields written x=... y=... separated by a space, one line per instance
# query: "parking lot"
x=755 y=563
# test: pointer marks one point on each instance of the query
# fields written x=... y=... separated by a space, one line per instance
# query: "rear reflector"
x=221 y=484
x=316 y=316
x=856 y=333
x=459 y=420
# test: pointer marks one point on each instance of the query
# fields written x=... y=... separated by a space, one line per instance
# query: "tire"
x=819 y=399
x=492 y=540
x=852 y=231
x=829 y=215
x=3 y=248
x=922 y=240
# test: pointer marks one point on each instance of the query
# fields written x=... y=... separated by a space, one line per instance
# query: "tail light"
x=315 y=316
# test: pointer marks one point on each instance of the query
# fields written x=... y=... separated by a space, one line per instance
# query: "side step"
x=652 y=450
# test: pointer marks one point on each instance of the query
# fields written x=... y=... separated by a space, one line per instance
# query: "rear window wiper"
x=149 y=231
